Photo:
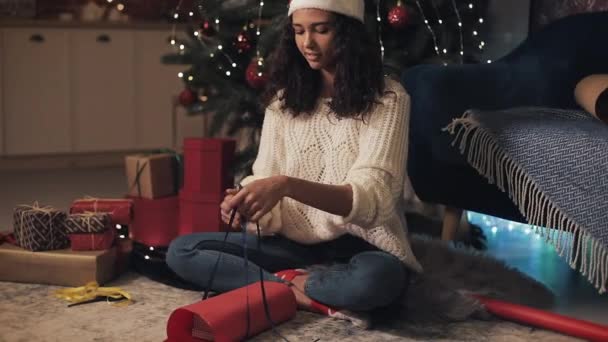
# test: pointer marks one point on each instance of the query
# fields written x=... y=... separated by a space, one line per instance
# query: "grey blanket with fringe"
x=553 y=164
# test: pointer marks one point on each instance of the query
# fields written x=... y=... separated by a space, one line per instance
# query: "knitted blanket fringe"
x=581 y=250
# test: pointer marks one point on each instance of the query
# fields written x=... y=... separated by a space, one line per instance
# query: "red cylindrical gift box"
x=199 y=213
x=121 y=210
x=92 y=241
x=223 y=318
x=207 y=165
x=155 y=220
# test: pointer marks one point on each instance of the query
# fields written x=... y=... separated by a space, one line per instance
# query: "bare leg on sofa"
x=451 y=222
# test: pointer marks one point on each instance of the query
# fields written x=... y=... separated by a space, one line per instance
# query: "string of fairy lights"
x=218 y=49
x=436 y=45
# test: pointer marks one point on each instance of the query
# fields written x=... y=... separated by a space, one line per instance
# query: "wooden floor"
x=576 y=297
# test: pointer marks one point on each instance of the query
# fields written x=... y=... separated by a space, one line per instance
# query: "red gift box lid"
x=157 y=203
x=209 y=144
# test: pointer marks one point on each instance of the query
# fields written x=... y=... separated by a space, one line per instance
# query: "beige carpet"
x=30 y=313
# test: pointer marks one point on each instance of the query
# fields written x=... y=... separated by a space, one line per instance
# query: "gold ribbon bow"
x=91 y=291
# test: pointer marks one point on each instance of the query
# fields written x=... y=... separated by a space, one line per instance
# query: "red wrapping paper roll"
x=121 y=209
x=224 y=316
x=546 y=320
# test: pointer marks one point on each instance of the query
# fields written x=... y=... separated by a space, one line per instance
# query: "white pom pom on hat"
x=350 y=8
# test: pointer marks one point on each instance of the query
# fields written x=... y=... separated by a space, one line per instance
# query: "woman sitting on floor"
x=328 y=179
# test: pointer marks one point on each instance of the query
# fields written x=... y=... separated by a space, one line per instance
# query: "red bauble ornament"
x=398 y=16
x=243 y=42
x=187 y=97
x=207 y=29
x=255 y=77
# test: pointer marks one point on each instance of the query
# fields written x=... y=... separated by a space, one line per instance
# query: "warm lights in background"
x=496 y=226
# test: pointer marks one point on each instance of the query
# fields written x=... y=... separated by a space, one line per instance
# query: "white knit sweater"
x=369 y=155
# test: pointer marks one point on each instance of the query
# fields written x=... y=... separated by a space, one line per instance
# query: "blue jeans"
x=360 y=277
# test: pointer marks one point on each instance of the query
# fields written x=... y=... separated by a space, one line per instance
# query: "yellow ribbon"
x=91 y=291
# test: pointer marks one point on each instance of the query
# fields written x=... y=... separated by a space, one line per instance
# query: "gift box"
x=119 y=209
x=207 y=165
x=39 y=228
x=224 y=317
x=199 y=213
x=155 y=220
x=152 y=176
x=87 y=223
x=92 y=241
x=62 y=267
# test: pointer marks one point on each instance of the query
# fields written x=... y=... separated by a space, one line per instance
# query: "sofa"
x=542 y=71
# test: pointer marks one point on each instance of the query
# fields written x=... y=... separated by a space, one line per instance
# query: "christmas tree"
x=228 y=43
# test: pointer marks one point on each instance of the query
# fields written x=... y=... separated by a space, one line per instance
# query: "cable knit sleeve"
x=271 y=149
x=271 y=154
x=378 y=173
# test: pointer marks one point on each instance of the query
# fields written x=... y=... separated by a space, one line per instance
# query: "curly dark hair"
x=358 y=78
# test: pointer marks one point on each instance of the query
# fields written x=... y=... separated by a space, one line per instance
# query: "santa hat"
x=350 y=8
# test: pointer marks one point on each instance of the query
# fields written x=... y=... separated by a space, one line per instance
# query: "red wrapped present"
x=224 y=317
x=120 y=209
x=39 y=228
x=155 y=220
x=199 y=213
x=92 y=241
x=87 y=223
x=207 y=165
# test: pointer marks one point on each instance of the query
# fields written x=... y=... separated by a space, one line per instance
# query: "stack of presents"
x=97 y=237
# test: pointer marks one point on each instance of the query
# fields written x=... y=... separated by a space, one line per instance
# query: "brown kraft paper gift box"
x=151 y=176
x=61 y=267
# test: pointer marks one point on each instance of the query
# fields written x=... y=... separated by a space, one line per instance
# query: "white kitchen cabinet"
x=103 y=90
x=155 y=87
x=89 y=89
x=35 y=91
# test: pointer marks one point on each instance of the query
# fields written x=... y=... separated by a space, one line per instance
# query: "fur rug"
x=454 y=272
x=434 y=302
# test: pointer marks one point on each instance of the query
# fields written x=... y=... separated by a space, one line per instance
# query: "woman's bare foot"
x=304 y=302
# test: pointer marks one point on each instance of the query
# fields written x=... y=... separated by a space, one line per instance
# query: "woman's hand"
x=259 y=197
x=226 y=210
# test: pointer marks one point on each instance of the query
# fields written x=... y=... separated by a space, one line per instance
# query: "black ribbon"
x=246 y=259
